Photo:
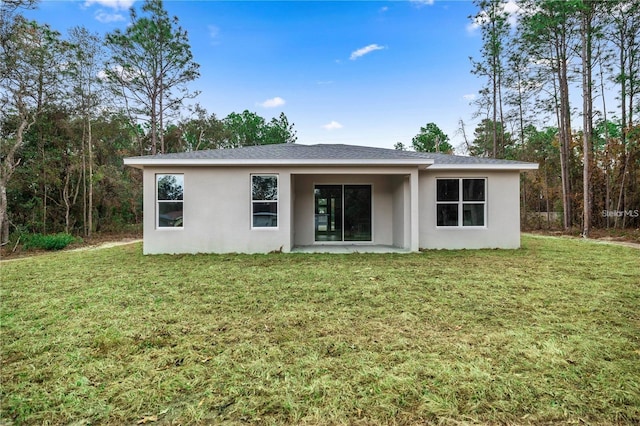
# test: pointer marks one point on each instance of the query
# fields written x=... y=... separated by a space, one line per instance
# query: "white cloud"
x=111 y=4
x=512 y=7
x=509 y=8
x=364 y=50
x=334 y=125
x=273 y=102
x=478 y=21
x=384 y=9
x=106 y=17
x=422 y=2
x=125 y=75
x=213 y=31
x=469 y=97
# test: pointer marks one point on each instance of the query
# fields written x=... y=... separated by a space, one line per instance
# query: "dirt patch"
x=108 y=244
x=605 y=235
x=602 y=240
x=98 y=241
x=618 y=242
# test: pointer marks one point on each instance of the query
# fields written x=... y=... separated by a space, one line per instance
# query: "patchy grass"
x=546 y=334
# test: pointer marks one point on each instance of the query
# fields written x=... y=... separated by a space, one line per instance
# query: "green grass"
x=546 y=334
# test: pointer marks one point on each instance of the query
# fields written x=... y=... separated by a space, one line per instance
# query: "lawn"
x=546 y=334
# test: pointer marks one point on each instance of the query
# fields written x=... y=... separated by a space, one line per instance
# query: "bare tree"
x=29 y=75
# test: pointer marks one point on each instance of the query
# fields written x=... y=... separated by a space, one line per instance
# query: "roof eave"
x=517 y=166
x=140 y=163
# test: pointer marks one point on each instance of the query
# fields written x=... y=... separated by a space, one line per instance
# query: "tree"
x=87 y=60
x=494 y=25
x=201 y=131
x=399 y=146
x=624 y=33
x=248 y=129
x=521 y=87
x=29 y=82
x=244 y=129
x=548 y=30
x=431 y=139
x=150 y=68
x=280 y=131
x=482 y=145
x=9 y=10
x=540 y=147
x=586 y=36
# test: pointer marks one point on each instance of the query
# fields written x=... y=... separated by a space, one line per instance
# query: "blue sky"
x=362 y=72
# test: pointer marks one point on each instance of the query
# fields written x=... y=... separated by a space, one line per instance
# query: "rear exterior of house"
x=279 y=197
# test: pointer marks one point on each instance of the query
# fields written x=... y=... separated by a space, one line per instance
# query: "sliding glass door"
x=328 y=212
x=343 y=213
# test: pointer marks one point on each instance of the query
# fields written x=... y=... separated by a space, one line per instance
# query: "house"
x=282 y=197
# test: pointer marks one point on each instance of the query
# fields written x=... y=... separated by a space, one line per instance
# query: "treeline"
x=562 y=88
x=72 y=107
x=60 y=186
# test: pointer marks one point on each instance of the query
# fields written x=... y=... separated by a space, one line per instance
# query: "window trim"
x=158 y=202
x=460 y=203
x=252 y=202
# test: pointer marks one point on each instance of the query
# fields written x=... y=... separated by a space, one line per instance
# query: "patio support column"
x=414 y=244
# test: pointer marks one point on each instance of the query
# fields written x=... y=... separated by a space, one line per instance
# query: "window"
x=460 y=202
x=264 y=201
x=169 y=201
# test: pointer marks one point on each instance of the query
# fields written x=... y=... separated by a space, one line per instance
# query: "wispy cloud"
x=106 y=17
x=510 y=9
x=113 y=8
x=420 y=3
x=365 y=50
x=383 y=9
x=273 y=102
x=214 y=32
x=469 y=97
x=333 y=125
x=111 y=4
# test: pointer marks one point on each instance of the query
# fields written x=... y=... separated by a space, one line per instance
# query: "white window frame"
x=276 y=201
x=460 y=203
x=158 y=202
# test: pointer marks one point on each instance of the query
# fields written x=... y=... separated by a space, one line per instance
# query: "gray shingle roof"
x=323 y=152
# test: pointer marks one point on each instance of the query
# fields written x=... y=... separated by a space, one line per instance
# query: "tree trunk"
x=84 y=178
x=7 y=167
x=67 y=202
x=90 y=207
x=587 y=106
x=565 y=130
x=154 y=124
x=4 y=218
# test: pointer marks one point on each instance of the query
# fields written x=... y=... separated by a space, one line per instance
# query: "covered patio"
x=339 y=210
x=348 y=249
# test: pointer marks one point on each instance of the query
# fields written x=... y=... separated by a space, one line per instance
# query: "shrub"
x=48 y=242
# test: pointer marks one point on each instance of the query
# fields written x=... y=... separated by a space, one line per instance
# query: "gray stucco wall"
x=401 y=211
x=217 y=213
x=217 y=209
x=502 y=228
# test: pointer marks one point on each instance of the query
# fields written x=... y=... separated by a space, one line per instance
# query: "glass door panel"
x=343 y=213
x=357 y=213
x=328 y=213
